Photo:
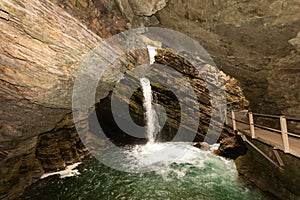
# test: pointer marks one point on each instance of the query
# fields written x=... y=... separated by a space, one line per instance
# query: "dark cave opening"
x=162 y=96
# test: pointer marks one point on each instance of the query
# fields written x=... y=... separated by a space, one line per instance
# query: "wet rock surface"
x=231 y=147
x=203 y=146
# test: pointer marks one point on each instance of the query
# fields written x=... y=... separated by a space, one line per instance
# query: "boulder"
x=231 y=147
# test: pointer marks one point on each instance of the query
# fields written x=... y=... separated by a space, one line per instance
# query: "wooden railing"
x=285 y=135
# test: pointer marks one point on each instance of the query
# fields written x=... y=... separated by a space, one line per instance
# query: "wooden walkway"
x=279 y=139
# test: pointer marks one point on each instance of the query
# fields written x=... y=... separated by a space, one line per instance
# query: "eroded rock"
x=41 y=49
x=147 y=8
x=174 y=78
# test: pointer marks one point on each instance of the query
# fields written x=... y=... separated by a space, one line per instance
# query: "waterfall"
x=152 y=52
x=151 y=117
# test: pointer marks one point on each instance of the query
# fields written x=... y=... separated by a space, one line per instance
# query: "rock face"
x=40 y=51
x=148 y=8
x=205 y=96
x=140 y=8
x=278 y=183
x=141 y=13
x=46 y=43
x=185 y=100
x=254 y=41
x=102 y=17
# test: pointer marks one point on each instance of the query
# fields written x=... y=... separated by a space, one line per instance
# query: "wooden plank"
x=251 y=122
x=233 y=120
x=259 y=151
x=280 y=161
x=284 y=134
x=268 y=136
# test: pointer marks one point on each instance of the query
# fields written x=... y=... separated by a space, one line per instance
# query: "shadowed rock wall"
x=278 y=183
x=257 y=42
x=40 y=52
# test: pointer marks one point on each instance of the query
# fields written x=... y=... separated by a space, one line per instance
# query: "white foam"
x=214 y=147
x=158 y=156
x=68 y=172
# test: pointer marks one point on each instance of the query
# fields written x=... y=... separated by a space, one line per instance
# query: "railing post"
x=251 y=123
x=226 y=117
x=233 y=120
x=284 y=134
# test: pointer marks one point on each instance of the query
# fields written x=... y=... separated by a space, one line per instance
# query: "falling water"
x=151 y=117
x=172 y=170
x=152 y=53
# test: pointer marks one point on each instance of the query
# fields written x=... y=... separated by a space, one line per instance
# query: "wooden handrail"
x=277 y=116
x=269 y=115
x=294 y=135
x=268 y=128
x=261 y=126
x=283 y=126
x=293 y=119
x=266 y=115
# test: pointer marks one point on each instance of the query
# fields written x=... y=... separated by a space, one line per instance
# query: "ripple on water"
x=171 y=171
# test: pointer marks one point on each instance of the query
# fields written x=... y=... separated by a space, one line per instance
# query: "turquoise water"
x=192 y=174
